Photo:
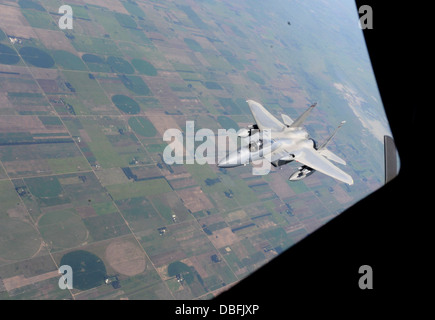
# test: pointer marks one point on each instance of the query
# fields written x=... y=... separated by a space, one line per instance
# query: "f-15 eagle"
x=286 y=141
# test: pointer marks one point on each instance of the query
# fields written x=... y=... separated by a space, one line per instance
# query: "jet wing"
x=311 y=158
x=263 y=118
x=331 y=156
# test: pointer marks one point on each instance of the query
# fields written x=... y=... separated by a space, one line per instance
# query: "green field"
x=29 y=4
x=95 y=45
x=119 y=65
x=104 y=207
x=255 y=77
x=101 y=148
x=8 y=198
x=96 y=63
x=142 y=126
x=88 y=269
x=65 y=165
x=126 y=104
x=193 y=45
x=36 y=57
x=19 y=240
x=44 y=187
x=125 y=20
x=89 y=91
x=62 y=229
x=227 y=123
x=144 y=67
x=39 y=19
x=138 y=189
x=106 y=226
x=136 y=85
x=178 y=267
x=80 y=12
x=8 y=55
x=133 y=9
x=140 y=214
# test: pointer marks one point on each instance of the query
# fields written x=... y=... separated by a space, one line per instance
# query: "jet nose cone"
x=232 y=160
x=224 y=163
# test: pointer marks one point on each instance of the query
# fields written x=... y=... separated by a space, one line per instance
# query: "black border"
x=319 y=275
x=322 y=269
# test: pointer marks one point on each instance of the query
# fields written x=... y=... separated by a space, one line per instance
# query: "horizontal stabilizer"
x=324 y=144
x=287 y=120
x=298 y=122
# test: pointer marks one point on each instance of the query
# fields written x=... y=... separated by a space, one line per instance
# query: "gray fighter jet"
x=285 y=142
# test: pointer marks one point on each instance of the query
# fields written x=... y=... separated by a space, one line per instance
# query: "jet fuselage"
x=257 y=148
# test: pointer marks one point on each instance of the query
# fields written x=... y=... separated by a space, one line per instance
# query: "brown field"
x=197 y=262
x=172 y=176
x=194 y=199
x=5 y=106
x=265 y=223
x=315 y=180
x=42 y=73
x=208 y=220
x=158 y=38
x=49 y=86
x=125 y=257
x=144 y=172
x=84 y=136
x=161 y=90
x=239 y=79
x=341 y=195
x=162 y=122
x=312 y=224
x=240 y=250
x=293 y=227
x=30 y=124
x=86 y=212
x=12 y=22
x=223 y=237
x=182 y=183
x=42 y=109
x=55 y=40
x=167 y=257
x=236 y=215
x=176 y=55
x=18 y=167
x=21 y=281
x=12 y=68
x=18 y=212
x=23 y=82
x=111 y=176
x=201 y=59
